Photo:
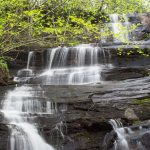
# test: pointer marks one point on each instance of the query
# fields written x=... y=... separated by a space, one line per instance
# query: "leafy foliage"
x=53 y=22
x=3 y=66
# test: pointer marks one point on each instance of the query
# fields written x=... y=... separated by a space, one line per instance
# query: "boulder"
x=145 y=140
x=130 y=114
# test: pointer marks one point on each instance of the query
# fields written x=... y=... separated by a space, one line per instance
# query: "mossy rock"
x=143 y=102
x=5 y=78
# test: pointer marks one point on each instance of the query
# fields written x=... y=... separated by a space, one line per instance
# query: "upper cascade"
x=119 y=28
x=125 y=28
x=77 y=65
x=30 y=59
x=80 y=55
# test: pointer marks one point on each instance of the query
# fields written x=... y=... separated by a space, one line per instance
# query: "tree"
x=54 y=22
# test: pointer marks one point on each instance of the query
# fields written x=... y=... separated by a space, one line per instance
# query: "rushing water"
x=18 y=106
x=30 y=57
x=77 y=65
x=120 y=28
x=82 y=64
x=24 y=75
x=128 y=138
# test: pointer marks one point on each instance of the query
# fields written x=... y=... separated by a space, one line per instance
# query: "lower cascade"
x=18 y=107
x=126 y=138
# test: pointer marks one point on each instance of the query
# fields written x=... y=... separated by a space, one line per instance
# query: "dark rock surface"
x=4 y=137
x=145 y=140
x=118 y=74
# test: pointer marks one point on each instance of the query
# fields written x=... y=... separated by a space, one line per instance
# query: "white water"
x=121 y=141
x=18 y=107
x=24 y=75
x=120 y=29
x=128 y=139
x=30 y=57
x=78 y=65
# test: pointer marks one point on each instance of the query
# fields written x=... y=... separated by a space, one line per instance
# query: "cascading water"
x=127 y=138
x=75 y=65
x=18 y=107
x=121 y=142
x=120 y=27
x=25 y=74
x=30 y=57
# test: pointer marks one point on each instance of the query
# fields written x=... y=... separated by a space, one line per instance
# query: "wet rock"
x=21 y=56
x=130 y=114
x=118 y=74
x=69 y=93
x=109 y=140
x=93 y=124
x=121 y=91
x=4 y=137
x=145 y=140
x=142 y=112
x=89 y=131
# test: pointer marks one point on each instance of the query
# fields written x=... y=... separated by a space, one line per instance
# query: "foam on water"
x=127 y=137
x=18 y=105
x=77 y=65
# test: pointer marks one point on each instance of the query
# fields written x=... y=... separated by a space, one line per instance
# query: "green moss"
x=143 y=102
x=4 y=67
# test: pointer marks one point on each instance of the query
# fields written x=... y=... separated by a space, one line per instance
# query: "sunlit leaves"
x=68 y=21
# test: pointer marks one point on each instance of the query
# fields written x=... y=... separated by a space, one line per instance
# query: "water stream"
x=18 y=107
x=30 y=57
x=78 y=65
x=25 y=74
x=120 y=28
x=128 y=138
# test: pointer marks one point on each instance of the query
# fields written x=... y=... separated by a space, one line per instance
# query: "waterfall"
x=24 y=75
x=18 y=107
x=120 y=29
x=121 y=142
x=127 y=137
x=81 y=64
x=30 y=57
